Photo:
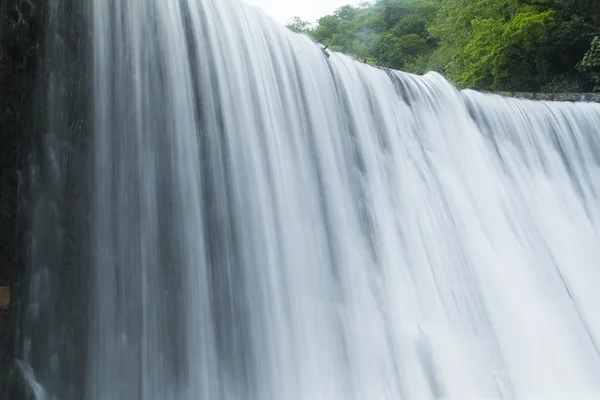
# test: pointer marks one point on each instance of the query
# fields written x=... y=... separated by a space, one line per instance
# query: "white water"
x=266 y=223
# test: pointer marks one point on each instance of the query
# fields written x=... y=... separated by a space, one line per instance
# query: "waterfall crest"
x=219 y=211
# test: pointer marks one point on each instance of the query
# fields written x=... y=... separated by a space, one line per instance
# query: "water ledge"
x=573 y=97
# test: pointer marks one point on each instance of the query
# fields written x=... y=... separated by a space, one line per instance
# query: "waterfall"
x=219 y=211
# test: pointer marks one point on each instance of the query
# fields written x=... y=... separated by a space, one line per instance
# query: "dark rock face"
x=20 y=37
x=20 y=42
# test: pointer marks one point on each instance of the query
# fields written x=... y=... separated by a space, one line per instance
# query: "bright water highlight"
x=221 y=212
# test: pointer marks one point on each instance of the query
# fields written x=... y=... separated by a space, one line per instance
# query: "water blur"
x=219 y=211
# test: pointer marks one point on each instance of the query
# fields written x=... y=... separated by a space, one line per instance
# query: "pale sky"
x=308 y=10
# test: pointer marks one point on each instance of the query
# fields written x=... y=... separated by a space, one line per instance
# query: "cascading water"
x=221 y=212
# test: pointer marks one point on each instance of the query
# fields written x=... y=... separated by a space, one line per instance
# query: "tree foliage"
x=526 y=45
x=298 y=25
x=590 y=64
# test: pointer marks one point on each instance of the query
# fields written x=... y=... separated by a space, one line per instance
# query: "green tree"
x=327 y=26
x=497 y=52
x=389 y=33
x=590 y=65
x=297 y=24
x=346 y=13
x=527 y=45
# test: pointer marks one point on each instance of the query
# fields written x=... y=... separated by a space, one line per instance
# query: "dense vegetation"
x=512 y=45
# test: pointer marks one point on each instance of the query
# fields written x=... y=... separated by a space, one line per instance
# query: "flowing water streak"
x=254 y=220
